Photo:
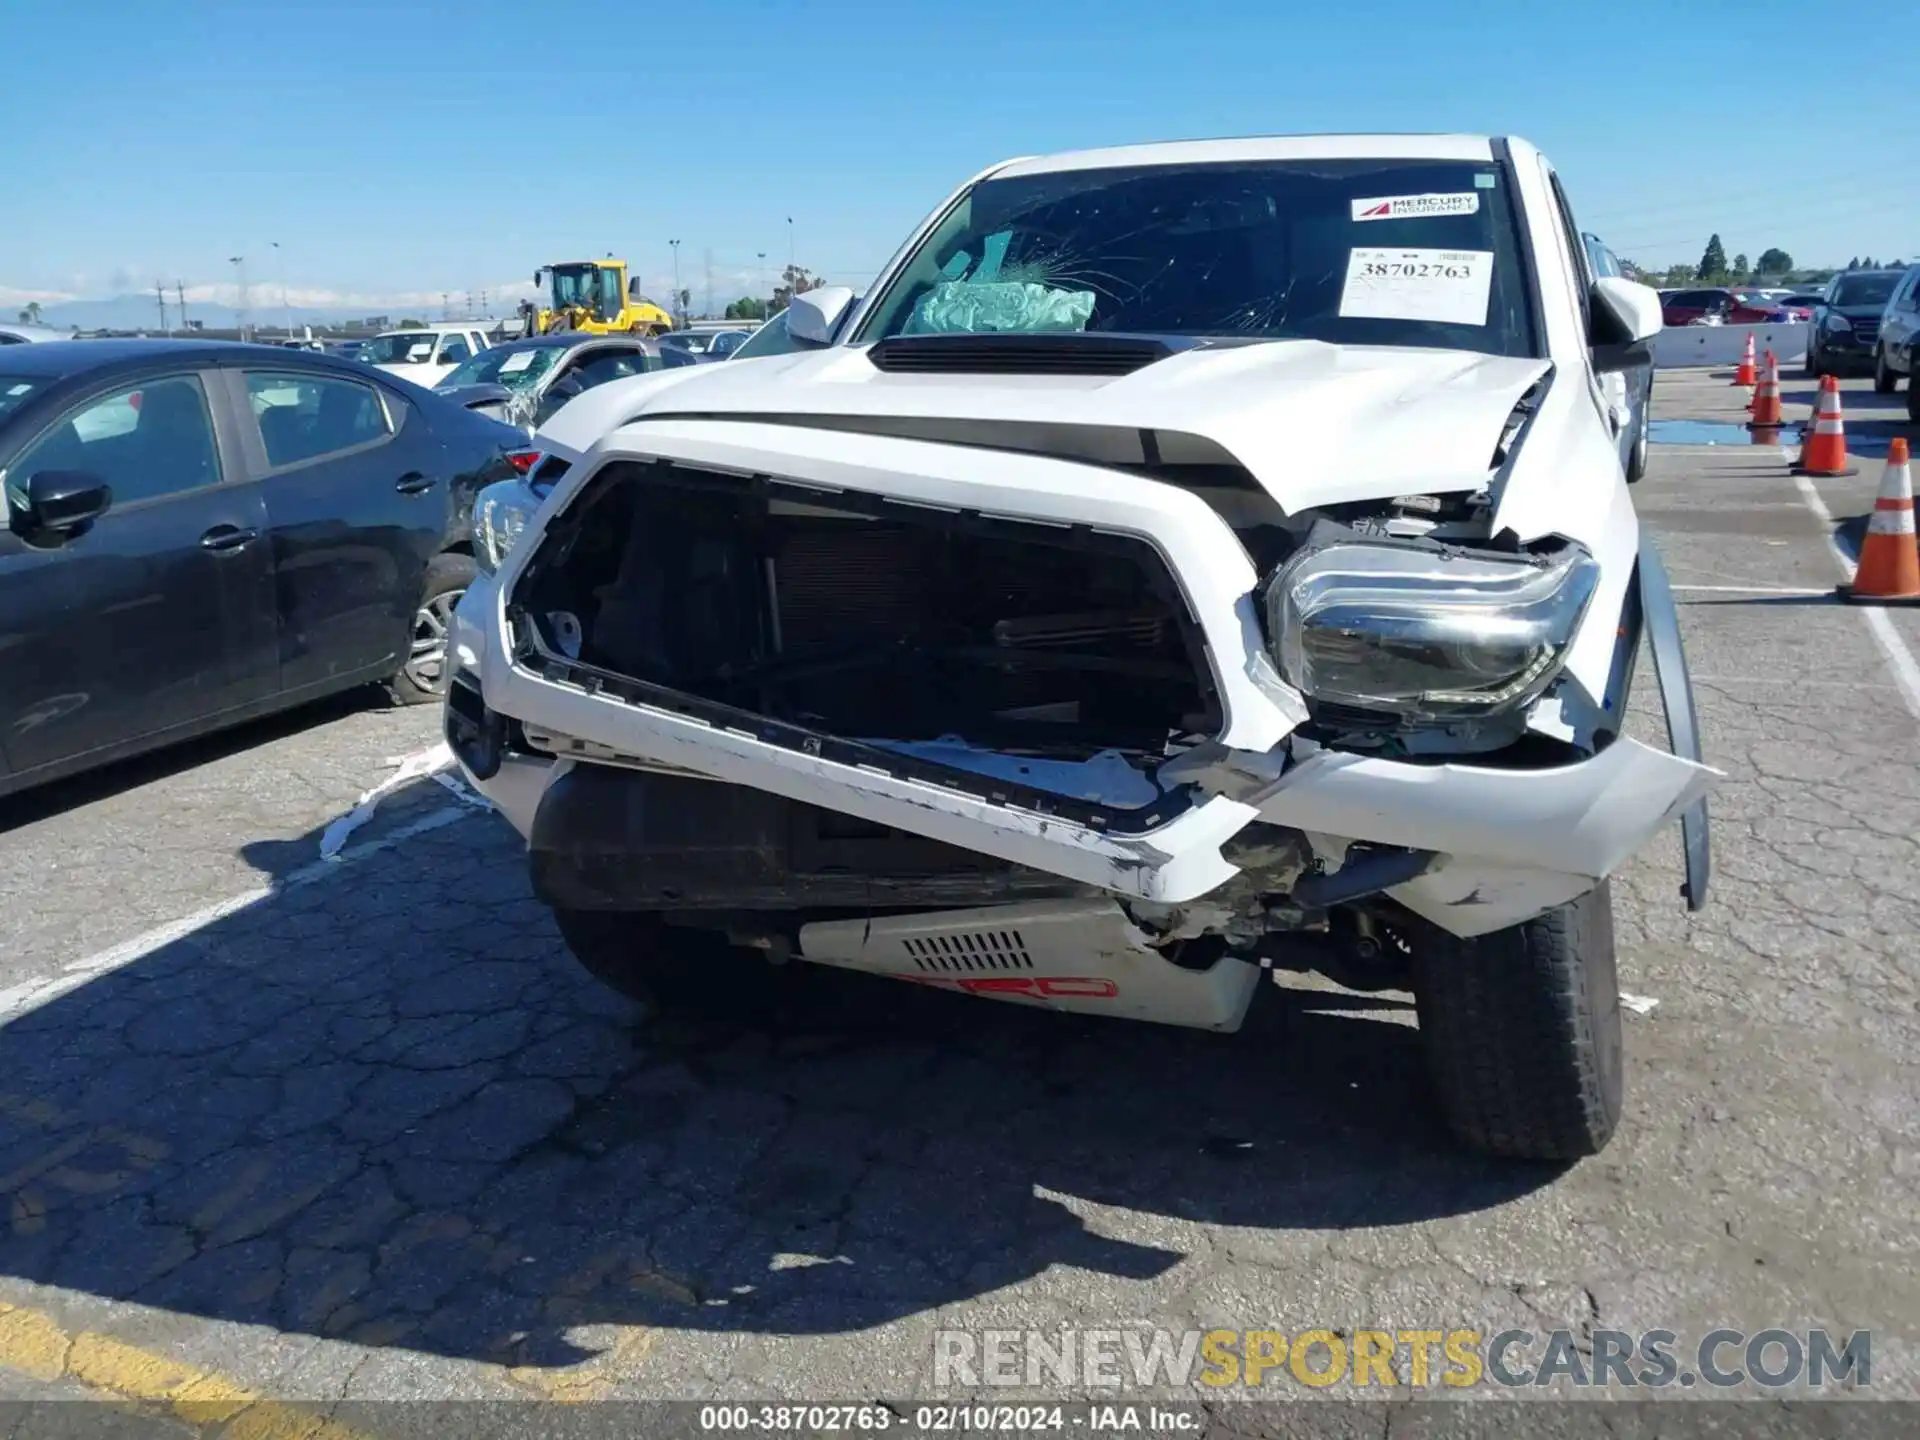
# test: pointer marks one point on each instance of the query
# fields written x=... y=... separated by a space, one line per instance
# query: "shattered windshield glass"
x=1364 y=252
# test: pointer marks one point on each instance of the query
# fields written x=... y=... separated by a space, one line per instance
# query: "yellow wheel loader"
x=593 y=297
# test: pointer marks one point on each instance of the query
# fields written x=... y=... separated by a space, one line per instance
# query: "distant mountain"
x=142 y=312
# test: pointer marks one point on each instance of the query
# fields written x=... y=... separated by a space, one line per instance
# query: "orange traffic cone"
x=1825 y=450
x=1766 y=397
x=1889 y=568
x=1745 y=374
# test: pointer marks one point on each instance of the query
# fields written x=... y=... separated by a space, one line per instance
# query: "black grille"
x=1070 y=354
x=1867 y=328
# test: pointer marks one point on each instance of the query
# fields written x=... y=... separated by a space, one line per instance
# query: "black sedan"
x=199 y=533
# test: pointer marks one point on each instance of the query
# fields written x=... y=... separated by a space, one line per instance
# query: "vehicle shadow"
x=90 y=786
x=388 y=1108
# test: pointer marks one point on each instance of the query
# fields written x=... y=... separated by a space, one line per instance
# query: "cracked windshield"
x=1369 y=253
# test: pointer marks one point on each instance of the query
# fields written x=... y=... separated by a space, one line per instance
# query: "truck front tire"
x=1522 y=1034
x=668 y=968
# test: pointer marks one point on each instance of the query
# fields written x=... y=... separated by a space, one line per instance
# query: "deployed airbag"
x=963 y=307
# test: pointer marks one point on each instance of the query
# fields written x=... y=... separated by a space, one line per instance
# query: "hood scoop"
x=1068 y=353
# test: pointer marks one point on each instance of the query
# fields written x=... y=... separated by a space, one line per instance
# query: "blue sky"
x=395 y=152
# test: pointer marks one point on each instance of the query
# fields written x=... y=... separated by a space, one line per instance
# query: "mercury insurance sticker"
x=1449 y=287
x=1414 y=207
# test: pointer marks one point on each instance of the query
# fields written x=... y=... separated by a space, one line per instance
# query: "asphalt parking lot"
x=357 y=1130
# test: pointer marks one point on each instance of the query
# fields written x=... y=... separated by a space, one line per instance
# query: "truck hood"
x=1312 y=423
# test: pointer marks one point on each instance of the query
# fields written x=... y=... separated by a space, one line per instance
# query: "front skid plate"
x=1080 y=955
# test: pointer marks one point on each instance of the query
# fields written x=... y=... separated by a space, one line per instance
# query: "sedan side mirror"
x=1626 y=315
x=65 y=502
x=813 y=314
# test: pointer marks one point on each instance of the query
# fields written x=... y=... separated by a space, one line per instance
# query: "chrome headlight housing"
x=500 y=515
x=1423 y=632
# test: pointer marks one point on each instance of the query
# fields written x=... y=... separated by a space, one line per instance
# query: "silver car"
x=522 y=382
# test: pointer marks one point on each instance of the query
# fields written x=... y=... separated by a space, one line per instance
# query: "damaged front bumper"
x=1507 y=843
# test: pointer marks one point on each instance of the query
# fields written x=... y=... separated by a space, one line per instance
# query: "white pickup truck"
x=1185 y=560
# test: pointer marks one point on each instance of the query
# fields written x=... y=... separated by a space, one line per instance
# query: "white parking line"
x=1751 y=589
x=1906 y=670
x=32 y=994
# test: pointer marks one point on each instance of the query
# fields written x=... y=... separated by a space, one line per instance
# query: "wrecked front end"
x=1038 y=728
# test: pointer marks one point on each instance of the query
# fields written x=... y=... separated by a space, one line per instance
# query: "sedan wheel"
x=1883 y=379
x=423 y=677
x=426 y=666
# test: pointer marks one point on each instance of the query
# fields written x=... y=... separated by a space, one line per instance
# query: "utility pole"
x=160 y=291
x=674 y=245
x=789 y=245
x=707 y=307
x=285 y=304
x=239 y=263
x=766 y=295
x=446 y=307
x=180 y=293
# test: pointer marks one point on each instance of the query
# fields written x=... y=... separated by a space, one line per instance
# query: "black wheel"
x=669 y=968
x=1637 y=458
x=1913 y=402
x=1813 y=370
x=423 y=677
x=1883 y=379
x=1521 y=1030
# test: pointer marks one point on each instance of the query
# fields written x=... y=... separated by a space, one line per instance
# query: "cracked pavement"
x=376 y=1137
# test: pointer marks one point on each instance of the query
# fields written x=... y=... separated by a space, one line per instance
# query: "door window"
x=609 y=365
x=146 y=441
x=454 y=349
x=307 y=417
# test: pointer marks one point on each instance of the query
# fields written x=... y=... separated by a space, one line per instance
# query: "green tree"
x=1739 y=270
x=410 y=324
x=1773 y=261
x=1713 y=262
x=1679 y=275
x=747 y=308
x=795 y=280
x=32 y=312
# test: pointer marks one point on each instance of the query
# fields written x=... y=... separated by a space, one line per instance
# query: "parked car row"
x=199 y=532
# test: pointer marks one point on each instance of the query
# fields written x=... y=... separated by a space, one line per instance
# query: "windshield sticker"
x=1484 y=181
x=420 y=351
x=1415 y=207
x=1447 y=287
x=518 y=361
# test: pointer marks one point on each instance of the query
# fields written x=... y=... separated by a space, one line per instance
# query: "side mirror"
x=66 y=501
x=812 y=315
x=1626 y=315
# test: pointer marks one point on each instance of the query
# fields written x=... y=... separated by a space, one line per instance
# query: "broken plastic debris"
x=965 y=307
x=1638 y=1004
x=408 y=767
